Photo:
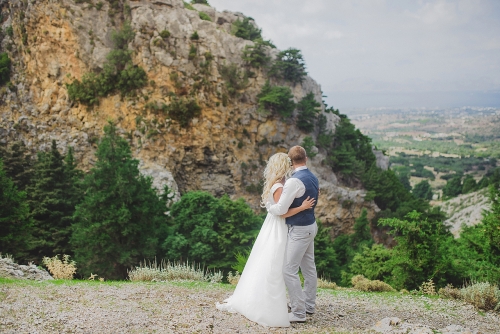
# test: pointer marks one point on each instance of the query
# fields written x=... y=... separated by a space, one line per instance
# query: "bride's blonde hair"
x=278 y=166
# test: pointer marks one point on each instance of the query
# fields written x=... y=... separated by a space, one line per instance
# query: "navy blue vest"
x=305 y=217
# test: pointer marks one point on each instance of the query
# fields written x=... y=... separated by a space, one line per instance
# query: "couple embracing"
x=285 y=243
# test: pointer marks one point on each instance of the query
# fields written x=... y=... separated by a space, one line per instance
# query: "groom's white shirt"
x=293 y=188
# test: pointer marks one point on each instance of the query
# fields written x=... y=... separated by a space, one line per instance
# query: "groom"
x=302 y=229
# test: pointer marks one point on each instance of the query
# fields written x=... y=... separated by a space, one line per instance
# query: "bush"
x=449 y=292
x=195 y=36
x=453 y=187
x=423 y=190
x=308 y=112
x=326 y=284
x=9 y=31
x=361 y=283
x=204 y=16
x=187 y=5
x=165 y=34
x=246 y=29
x=233 y=279
x=276 y=100
x=203 y=2
x=168 y=271
x=4 y=68
x=482 y=295
x=308 y=144
x=234 y=78
x=64 y=269
x=119 y=74
x=289 y=66
x=192 y=52
x=183 y=111
x=255 y=55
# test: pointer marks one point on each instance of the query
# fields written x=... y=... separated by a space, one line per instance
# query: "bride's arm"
x=308 y=203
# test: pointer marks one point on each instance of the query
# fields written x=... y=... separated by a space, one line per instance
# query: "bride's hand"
x=308 y=203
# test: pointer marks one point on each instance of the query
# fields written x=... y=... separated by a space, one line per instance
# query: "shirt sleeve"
x=292 y=188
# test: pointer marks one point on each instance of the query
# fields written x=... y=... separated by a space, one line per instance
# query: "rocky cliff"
x=222 y=151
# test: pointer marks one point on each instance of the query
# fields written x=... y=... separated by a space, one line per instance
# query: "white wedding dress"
x=261 y=294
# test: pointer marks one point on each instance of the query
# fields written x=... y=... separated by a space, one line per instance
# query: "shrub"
x=203 y=2
x=195 y=36
x=4 y=68
x=276 y=100
x=235 y=79
x=246 y=29
x=308 y=144
x=165 y=34
x=241 y=260
x=9 y=31
x=64 y=269
x=233 y=279
x=361 y=283
x=99 y=5
x=428 y=288
x=326 y=284
x=289 y=66
x=192 y=52
x=482 y=295
x=118 y=73
x=423 y=190
x=168 y=271
x=204 y=16
x=187 y=5
x=255 y=55
x=449 y=292
x=183 y=111
x=308 y=112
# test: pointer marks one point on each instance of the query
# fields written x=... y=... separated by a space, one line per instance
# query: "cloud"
x=386 y=46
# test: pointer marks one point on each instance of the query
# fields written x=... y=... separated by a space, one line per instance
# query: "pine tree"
x=119 y=220
x=52 y=199
x=18 y=164
x=14 y=218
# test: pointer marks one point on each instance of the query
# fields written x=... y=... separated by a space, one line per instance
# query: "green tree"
x=18 y=164
x=118 y=74
x=276 y=100
x=119 y=220
x=469 y=185
x=453 y=187
x=308 y=109
x=203 y=2
x=373 y=263
x=307 y=144
x=15 y=223
x=255 y=55
x=210 y=231
x=4 y=68
x=423 y=190
x=290 y=66
x=327 y=264
x=52 y=197
x=421 y=252
x=246 y=29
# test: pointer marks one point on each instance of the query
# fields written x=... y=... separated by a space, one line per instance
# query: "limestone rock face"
x=222 y=151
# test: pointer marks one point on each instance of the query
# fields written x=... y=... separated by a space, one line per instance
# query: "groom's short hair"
x=297 y=154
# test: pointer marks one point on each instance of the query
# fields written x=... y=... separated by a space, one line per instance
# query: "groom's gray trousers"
x=300 y=253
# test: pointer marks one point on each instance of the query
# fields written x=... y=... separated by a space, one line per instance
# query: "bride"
x=261 y=294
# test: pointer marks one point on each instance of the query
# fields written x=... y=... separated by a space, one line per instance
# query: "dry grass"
x=323 y=283
x=449 y=292
x=233 y=279
x=362 y=283
x=482 y=295
x=60 y=269
x=428 y=288
x=172 y=271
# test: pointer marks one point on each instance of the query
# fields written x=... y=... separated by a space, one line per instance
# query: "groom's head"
x=298 y=156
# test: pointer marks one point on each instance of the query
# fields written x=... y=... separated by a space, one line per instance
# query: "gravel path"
x=124 y=307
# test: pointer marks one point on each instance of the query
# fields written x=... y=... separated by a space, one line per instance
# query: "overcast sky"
x=389 y=53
